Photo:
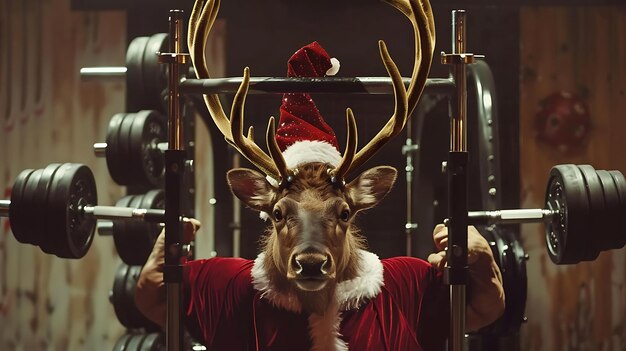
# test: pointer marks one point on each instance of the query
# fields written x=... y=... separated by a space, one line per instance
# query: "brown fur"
x=311 y=208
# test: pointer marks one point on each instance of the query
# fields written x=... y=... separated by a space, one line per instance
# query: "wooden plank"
x=576 y=50
x=47 y=302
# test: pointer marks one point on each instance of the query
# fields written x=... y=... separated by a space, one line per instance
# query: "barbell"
x=55 y=208
x=579 y=202
x=583 y=213
x=134 y=148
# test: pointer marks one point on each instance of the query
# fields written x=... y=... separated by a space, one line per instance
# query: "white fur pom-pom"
x=334 y=68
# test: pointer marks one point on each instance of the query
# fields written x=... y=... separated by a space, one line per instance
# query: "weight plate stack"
x=132 y=153
x=146 y=165
x=46 y=209
x=123 y=299
x=511 y=259
x=134 y=239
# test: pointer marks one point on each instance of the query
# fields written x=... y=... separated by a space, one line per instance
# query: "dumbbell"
x=146 y=78
x=122 y=297
x=134 y=148
x=134 y=239
x=55 y=208
x=583 y=213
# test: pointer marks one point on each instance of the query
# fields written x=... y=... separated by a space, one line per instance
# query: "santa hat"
x=303 y=136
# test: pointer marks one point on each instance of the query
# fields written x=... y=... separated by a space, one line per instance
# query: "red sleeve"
x=218 y=297
x=418 y=289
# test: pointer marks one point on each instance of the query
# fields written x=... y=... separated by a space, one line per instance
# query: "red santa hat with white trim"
x=303 y=136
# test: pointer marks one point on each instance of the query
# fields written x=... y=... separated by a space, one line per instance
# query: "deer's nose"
x=310 y=265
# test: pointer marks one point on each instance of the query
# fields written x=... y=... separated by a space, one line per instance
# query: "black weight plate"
x=134 y=344
x=135 y=90
x=120 y=305
x=134 y=239
x=137 y=318
x=116 y=163
x=72 y=187
x=519 y=290
x=20 y=214
x=32 y=233
x=566 y=193
x=40 y=205
x=153 y=199
x=592 y=244
x=130 y=174
x=120 y=344
x=153 y=342
x=123 y=299
x=154 y=73
x=124 y=232
x=612 y=222
x=511 y=259
x=119 y=226
x=620 y=184
x=148 y=129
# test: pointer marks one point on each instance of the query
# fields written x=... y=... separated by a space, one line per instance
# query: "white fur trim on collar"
x=306 y=151
x=261 y=282
x=350 y=294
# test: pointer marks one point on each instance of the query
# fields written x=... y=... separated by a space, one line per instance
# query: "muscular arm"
x=485 y=293
x=150 y=294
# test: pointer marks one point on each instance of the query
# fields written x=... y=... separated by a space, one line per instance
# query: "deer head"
x=312 y=244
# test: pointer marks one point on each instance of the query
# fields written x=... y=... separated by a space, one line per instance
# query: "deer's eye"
x=345 y=215
x=278 y=216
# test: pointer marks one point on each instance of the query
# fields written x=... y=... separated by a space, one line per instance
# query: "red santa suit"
x=394 y=304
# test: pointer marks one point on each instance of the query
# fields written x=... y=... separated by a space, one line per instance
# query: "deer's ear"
x=252 y=188
x=370 y=187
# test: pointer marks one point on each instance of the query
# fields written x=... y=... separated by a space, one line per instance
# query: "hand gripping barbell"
x=55 y=208
x=583 y=213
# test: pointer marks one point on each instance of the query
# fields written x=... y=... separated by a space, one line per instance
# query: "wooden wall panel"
x=581 y=51
x=48 y=115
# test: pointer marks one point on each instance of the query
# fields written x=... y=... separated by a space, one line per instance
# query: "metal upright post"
x=457 y=270
x=174 y=174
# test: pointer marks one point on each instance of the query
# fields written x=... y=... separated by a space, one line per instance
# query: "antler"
x=420 y=15
x=202 y=18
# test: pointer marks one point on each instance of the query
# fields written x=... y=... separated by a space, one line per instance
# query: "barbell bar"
x=583 y=213
x=55 y=208
x=276 y=85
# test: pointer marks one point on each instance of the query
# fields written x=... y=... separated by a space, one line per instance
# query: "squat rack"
x=456 y=271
